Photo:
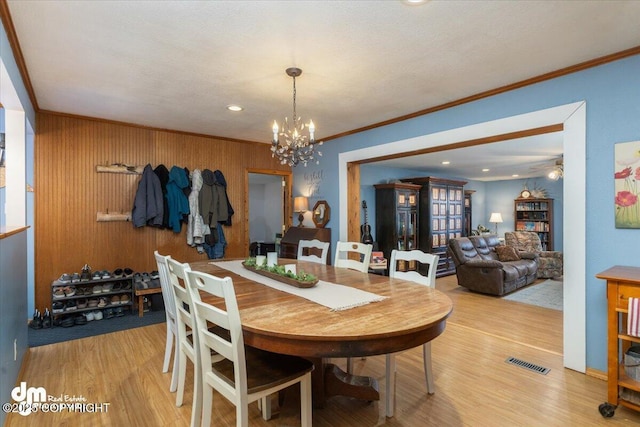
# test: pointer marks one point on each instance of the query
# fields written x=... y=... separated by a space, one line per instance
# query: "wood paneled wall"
x=69 y=192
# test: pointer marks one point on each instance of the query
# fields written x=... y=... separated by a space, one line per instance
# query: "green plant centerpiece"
x=278 y=272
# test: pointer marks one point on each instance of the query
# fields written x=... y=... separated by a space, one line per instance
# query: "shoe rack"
x=68 y=298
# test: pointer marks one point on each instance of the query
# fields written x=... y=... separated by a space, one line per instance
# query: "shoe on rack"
x=80 y=320
x=116 y=287
x=75 y=277
x=125 y=299
x=128 y=272
x=102 y=302
x=106 y=274
x=96 y=276
x=108 y=313
x=65 y=278
x=69 y=291
x=67 y=322
x=119 y=312
x=85 y=276
x=97 y=314
x=89 y=316
x=97 y=289
x=93 y=302
x=126 y=286
x=70 y=306
x=118 y=273
x=58 y=292
x=115 y=300
x=107 y=287
x=57 y=307
x=36 y=321
x=82 y=303
x=154 y=274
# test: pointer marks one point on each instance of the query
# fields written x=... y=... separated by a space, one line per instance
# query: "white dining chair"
x=363 y=255
x=313 y=244
x=431 y=262
x=344 y=259
x=187 y=338
x=246 y=374
x=171 y=345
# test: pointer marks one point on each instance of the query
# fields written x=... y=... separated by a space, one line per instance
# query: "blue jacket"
x=177 y=201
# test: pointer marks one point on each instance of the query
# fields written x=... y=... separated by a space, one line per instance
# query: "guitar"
x=365 y=229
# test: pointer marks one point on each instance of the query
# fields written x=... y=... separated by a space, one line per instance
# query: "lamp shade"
x=300 y=204
x=495 y=217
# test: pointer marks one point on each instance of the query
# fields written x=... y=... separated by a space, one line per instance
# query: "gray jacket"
x=148 y=205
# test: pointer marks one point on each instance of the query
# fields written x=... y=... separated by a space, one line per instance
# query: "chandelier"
x=294 y=146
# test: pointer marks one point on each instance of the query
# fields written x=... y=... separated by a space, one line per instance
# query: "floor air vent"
x=526 y=365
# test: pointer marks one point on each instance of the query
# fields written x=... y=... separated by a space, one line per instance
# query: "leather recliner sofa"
x=478 y=266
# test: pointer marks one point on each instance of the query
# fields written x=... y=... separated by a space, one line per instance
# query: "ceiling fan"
x=553 y=171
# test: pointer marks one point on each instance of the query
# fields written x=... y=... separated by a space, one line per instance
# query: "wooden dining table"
x=280 y=322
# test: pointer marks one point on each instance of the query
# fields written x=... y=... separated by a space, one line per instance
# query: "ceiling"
x=178 y=64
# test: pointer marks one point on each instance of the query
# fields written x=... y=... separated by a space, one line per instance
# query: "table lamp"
x=496 y=217
x=301 y=205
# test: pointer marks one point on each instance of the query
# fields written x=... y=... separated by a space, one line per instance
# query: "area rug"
x=38 y=337
x=547 y=294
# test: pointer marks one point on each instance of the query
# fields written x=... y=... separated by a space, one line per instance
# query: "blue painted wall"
x=612 y=95
x=16 y=256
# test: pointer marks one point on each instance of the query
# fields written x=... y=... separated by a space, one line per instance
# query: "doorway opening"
x=572 y=118
x=268 y=199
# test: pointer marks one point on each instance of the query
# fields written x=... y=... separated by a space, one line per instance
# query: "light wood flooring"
x=474 y=385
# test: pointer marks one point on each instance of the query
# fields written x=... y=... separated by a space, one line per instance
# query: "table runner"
x=334 y=296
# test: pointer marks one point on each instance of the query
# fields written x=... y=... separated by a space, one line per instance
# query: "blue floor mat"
x=38 y=337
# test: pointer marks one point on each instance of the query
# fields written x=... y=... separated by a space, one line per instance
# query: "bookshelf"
x=535 y=215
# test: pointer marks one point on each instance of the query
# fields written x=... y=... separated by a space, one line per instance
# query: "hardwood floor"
x=474 y=385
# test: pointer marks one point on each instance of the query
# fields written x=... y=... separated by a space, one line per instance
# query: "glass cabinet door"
x=402 y=224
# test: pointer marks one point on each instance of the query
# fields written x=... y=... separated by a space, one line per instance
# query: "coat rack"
x=120 y=168
x=113 y=216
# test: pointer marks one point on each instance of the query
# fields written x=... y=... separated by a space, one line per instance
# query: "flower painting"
x=627 y=184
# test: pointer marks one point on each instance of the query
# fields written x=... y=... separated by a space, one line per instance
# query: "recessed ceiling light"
x=515 y=175
x=234 y=107
x=414 y=2
x=446 y=162
x=486 y=170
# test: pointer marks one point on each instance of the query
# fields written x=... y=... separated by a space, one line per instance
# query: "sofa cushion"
x=512 y=272
x=483 y=247
x=507 y=253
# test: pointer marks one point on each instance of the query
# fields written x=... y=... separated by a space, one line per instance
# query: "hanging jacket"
x=213 y=205
x=176 y=199
x=220 y=180
x=163 y=174
x=196 y=229
x=148 y=201
x=217 y=249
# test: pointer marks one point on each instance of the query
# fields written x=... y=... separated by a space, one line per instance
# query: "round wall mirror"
x=321 y=213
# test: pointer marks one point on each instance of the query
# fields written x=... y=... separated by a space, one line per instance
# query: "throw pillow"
x=507 y=253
